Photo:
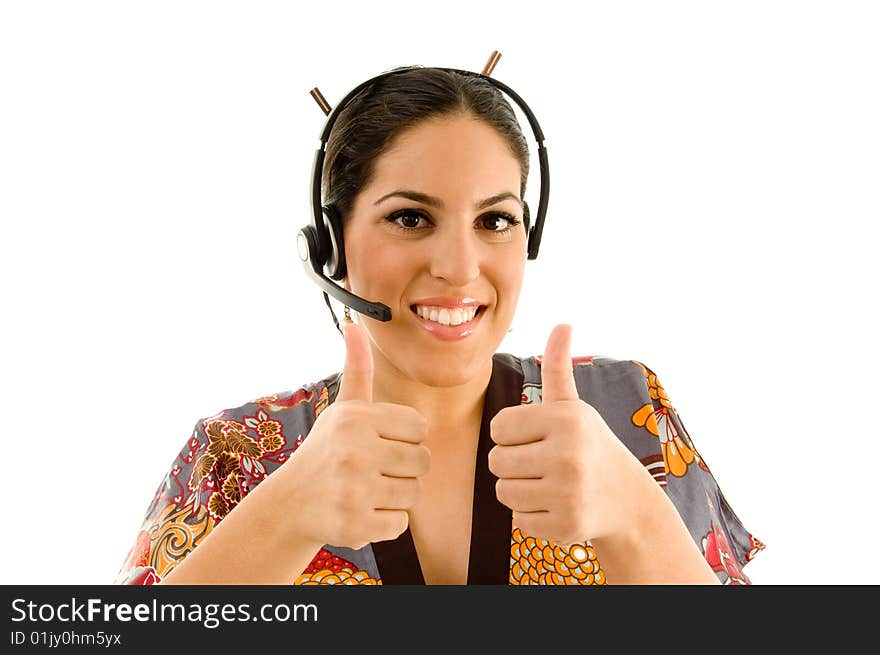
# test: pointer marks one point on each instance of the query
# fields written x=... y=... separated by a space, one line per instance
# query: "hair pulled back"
x=367 y=127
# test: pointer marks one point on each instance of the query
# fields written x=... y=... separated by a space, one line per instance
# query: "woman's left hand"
x=561 y=469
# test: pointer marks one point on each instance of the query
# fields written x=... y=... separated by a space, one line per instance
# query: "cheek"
x=380 y=273
x=509 y=285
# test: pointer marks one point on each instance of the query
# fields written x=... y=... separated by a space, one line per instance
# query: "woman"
x=432 y=458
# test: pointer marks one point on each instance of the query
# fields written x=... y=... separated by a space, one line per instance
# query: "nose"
x=455 y=254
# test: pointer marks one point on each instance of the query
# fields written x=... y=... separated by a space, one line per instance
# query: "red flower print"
x=139 y=555
x=756 y=545
x=280 y=402
x=327 y=560
x=719 y=554
x=142 y=576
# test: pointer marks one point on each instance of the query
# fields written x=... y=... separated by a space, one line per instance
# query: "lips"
x=450 y=332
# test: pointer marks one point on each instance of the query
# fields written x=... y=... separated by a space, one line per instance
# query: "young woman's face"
x=453 y=245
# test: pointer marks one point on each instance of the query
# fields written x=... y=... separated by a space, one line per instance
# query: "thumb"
x=357 y=375
x=557 y=374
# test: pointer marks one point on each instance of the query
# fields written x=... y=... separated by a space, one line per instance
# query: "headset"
x=320 y=244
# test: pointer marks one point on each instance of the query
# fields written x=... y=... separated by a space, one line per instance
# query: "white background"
x=713 y=214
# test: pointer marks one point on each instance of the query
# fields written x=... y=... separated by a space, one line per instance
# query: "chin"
x=439 y=371
x=446 y=378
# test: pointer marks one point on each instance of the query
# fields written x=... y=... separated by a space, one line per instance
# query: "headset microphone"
x=308 y=243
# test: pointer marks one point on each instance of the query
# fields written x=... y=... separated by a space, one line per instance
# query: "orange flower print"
x=719 y=554
x=269 y=431
x=657 y=418
x=269 y=428
x=232 y=488
x=201 y=469
x=235 y=426
x=226 y=463
x=240 y=443
x=226 y=440
x=271 y=443
x=541 y=562
x=216 y=437
x=218 y=506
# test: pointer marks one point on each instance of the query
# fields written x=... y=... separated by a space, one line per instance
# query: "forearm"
x=246 y=547
x=658 y=550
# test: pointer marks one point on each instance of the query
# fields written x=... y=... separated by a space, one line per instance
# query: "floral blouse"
x=230 y=453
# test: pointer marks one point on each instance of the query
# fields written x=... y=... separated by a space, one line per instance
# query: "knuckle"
x=343 y=509
x=574 y=421
x=569 y=498
x=349 y=417
x=524 y=523
x=420 y=420
x=339 y=524
x=494 y=461
x=588 y=415
x=396 y=524
x=424 y=460
x=419 y=425
x=410 y=495
x=348 y=460
x=587 y=407
x=571 y=469
x=402 y=524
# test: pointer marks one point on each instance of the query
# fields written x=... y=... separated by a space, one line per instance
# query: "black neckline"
x=489 y=560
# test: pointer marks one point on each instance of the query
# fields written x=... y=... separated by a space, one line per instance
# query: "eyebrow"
x=431 y=201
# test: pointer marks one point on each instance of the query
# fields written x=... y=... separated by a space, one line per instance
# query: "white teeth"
x=446 y=316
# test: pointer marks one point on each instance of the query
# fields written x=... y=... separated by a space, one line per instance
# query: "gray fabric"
x=617 y=389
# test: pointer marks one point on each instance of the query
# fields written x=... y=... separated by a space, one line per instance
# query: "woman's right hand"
x=353 y=479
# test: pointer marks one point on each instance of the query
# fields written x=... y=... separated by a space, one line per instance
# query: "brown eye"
x=508 y=221
x=410 y=220
x=406 y=220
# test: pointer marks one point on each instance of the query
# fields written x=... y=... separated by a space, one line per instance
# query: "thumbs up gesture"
x=356 y=475
x=560 y=468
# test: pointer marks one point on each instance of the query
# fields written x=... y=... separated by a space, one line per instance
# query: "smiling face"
x=454 y=246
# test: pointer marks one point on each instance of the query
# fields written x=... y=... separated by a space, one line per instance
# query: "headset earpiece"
x=334 y=264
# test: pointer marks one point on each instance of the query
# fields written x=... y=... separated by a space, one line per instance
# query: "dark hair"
x=368 y=125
